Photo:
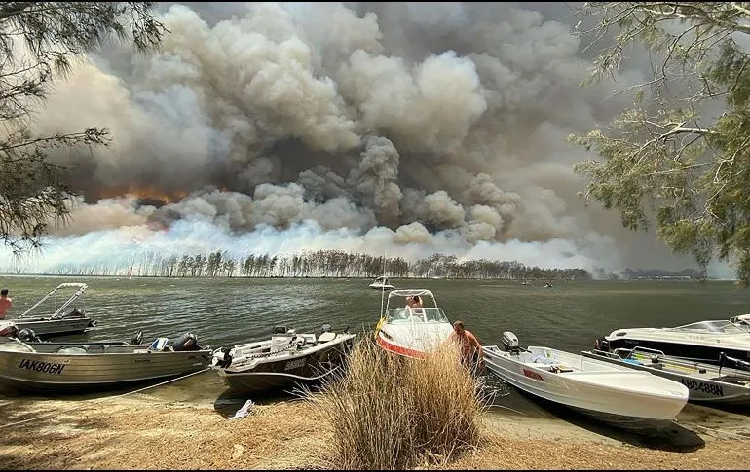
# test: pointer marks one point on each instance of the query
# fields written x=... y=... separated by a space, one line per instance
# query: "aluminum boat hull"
x=101 y=366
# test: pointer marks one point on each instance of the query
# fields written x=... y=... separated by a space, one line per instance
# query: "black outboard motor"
x=510 y=341
x=27 y=335
x=137 y=338
x=601 y=344
x=186 y=342
x=279 y=330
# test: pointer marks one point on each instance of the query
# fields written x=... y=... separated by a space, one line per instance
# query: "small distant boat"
x=525 y=282
x=58 y=322
x=286 y=360
x=548 y=285
x=708 y=384
x=613 y=393
x=49 y=367
x=382 y=283
x=410 y=332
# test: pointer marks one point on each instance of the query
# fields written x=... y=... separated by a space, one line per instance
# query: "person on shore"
x=472 y=355
x=5 y=303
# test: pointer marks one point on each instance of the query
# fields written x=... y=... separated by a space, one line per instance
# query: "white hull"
x=412 y=339
x=55 y=327
x=381 y=287
x=593 y=387
x=707 y=383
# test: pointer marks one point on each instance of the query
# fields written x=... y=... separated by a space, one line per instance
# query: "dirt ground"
x=140 y=431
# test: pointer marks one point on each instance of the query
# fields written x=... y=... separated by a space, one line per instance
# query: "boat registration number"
x=43 y=367
x=704 y=387
x=295 y=364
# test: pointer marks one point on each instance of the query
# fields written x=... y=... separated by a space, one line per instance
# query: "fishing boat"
x=613 y=393
x=708 y=384
x=42 y=367
x=382 y=283
x=287 y=359
x=702 y=341
x=411 y=332
x=60 y=321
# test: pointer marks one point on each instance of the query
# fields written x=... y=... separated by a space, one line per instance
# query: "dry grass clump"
x=389 y=412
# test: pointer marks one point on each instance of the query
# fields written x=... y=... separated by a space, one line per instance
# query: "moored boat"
x=616 y=394
x=382 y=283
x=49 y=367
x=708 y=384
x=702 y=341
x=60 y=321
x=411 y=332
x=286 y=360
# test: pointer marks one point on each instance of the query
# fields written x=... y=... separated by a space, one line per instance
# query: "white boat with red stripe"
x=411 y=332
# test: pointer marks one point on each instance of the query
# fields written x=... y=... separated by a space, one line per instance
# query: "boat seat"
x=326 y=337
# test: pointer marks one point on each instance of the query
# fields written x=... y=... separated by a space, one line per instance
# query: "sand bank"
x=150 y=431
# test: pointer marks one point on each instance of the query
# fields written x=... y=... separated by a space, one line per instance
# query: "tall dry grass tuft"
x=389 y=412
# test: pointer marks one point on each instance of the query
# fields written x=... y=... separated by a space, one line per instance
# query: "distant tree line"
x=323 y=263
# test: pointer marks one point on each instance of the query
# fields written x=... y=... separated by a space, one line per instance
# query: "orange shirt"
x=5 y=304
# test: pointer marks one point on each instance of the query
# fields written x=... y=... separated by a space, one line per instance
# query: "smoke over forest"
x=410 y=129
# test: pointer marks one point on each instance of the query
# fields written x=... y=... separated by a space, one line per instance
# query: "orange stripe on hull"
x=396 y=349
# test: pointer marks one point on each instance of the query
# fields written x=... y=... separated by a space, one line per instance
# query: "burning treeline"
x=324 y=263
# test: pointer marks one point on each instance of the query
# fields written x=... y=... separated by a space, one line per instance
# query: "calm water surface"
x=568 y=316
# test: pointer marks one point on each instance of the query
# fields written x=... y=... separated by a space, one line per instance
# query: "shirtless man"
x=5 y=303
x=471 y=351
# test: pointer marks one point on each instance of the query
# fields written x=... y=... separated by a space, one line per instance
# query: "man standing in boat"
x=5 y=303
x=472 y=355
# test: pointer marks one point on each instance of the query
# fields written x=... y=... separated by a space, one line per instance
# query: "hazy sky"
x=407 y=128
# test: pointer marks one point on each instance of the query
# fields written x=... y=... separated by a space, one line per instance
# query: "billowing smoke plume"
x=434 y=127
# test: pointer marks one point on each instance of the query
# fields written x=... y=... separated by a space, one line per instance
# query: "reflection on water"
x=568 y=316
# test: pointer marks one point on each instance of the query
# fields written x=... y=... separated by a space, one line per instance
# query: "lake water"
x=225 y=311
x=569 y=316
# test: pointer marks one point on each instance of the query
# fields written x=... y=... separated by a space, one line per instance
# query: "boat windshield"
x=738 y=326
x=417 y=315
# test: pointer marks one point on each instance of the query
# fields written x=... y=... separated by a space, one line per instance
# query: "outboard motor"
x=601 y=344
x=226 y=360
x=510 y=341
x=186 y=342
x=325 y=328
x=10 y=330
x=27 y=335
x=137 y=338
x=279 y=330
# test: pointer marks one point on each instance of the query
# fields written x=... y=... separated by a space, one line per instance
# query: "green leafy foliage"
x=665 y=155
x=38 y=41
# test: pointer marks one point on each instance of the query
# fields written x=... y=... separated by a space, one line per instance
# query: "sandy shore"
x=153 y=431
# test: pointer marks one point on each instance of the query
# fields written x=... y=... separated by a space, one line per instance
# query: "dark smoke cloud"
x=437 y=124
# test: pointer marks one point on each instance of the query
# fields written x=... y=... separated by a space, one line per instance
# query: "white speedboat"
x=40 y=367
x=702 y=341
x=411 y=332
x=382 y=283
x=708 y=384
x=286 y=360
x=614 y=393
x=58 y=322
